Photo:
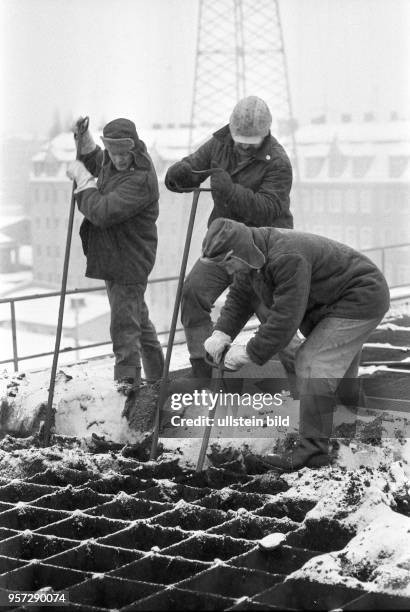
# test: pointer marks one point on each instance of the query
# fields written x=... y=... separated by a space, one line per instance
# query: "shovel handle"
x=220 y=366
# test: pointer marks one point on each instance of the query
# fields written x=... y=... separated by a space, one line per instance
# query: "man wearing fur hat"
x=334 y=294
x=251 y=178
x=117 y=192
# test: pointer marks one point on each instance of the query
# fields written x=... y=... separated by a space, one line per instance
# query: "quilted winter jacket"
x=119 y=233
x=262 y=184
x=305 y=279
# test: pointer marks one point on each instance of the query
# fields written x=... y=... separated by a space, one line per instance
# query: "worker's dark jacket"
x=261 y=184
x=305 y=279
x=119 y=231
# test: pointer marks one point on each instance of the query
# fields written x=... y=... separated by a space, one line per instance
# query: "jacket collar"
x=262 y=153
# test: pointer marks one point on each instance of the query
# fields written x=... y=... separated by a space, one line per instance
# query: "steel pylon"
x=240 y=52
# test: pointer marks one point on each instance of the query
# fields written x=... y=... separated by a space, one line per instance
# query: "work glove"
x=236 y=357
x=221 y=183
x=78 y=172
x=215 y=344
x=179 y=176
x=87 y=142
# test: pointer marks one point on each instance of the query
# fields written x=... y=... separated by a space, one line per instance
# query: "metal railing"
x=22 y=298
x=12 y=301
x=383 y=250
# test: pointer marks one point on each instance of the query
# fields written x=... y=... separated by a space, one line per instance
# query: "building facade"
x=355 y=188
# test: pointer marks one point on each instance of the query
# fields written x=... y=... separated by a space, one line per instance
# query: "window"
x=335 y=200
x=318 y=200
x=48 y=251
x=337 y=165
x=361 y=165
x=365 y=201
x=350 y=199
x=38 y=250
x=56 y=221
x=313 y=166
x=404 y=200
x=366 y=237
x=304 y=198
x=48 y=222
x=38 y=222
x=397 y=165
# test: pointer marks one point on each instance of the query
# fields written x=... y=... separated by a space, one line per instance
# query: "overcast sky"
x=135 y=58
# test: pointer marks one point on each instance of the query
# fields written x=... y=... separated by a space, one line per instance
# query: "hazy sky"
x=135 y=58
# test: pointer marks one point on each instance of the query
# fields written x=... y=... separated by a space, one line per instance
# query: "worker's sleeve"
x=199 y=160
x=291 y=276
x=93 y=161
x=124 y=202
x=269 y=202
x=238 y=308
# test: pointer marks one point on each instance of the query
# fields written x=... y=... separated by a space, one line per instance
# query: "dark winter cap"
x=120 y=134
x=224 y=236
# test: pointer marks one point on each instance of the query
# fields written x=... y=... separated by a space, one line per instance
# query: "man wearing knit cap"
x=251 y=178
x=334 y=294
x=117 y=192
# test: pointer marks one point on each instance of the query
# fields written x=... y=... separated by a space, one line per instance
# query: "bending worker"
x=119 y=237
x=334 y=294
x=251 y=178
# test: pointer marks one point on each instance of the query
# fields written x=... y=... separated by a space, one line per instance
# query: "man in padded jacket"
x=251 y=178
x=117 y=192
x=335 y=295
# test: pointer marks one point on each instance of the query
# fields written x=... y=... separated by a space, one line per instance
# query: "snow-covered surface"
x=378 y=556
x=361 y=492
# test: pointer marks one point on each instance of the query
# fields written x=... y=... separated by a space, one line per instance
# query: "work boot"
x=306 y=453
x=315 y=428
x=197 y=379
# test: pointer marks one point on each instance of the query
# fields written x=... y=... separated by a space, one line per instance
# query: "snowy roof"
x=381 y=141
x=386 y=132
x=5 y=239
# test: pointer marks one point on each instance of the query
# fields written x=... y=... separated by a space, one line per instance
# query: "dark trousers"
x=133 y=335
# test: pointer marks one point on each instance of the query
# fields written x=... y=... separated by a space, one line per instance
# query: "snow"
x=377 y=558
x=360 y=492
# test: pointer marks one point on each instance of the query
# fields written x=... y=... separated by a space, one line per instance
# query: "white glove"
x=236 y=357
x=87 y=141
x=215 y=344
x=78 y=172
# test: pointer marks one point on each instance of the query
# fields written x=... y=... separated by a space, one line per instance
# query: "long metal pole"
x=49 y=409
x=164 y=381
x=14 y=335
